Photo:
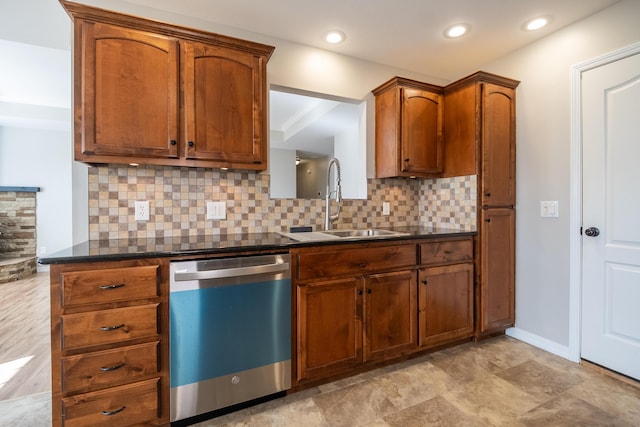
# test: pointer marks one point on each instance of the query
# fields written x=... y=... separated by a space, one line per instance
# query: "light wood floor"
x=25 y=360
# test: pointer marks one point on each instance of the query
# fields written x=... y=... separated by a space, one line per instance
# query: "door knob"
x=592 y=231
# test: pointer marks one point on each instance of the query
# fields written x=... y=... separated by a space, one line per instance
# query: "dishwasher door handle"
x=182 y=276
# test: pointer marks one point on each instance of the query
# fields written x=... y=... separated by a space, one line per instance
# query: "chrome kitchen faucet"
x=328 y=218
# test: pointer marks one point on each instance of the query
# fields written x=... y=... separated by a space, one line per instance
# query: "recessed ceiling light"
x=335 y=36
x=457 y=30
x=536 y=23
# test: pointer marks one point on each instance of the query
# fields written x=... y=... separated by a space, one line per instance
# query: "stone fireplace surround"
x=17 y=232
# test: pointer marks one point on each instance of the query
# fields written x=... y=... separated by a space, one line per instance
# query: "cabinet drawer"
x=338 y=262
x=446 y=252
x=109 y=326
x=118 y=406
x=109 y=285
x=101 y=369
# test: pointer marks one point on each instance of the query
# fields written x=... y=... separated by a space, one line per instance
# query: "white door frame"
x=575 y=202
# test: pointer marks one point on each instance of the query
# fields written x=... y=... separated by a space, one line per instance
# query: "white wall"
x=543 y=137
x=41 y=158
x=283 y=174
x=349 y=149
x=35 y=136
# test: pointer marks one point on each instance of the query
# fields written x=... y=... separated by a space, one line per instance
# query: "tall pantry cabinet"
x=479 y=131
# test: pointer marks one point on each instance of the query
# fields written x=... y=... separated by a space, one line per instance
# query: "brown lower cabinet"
x=355 y=306
x=362 y=304
x=390 y=322
x=446 y=303
x=109 y=343
x=496 y=275
x=352 y=306
x=329 y=327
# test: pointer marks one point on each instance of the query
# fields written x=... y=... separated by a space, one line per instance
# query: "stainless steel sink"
x=369 y=233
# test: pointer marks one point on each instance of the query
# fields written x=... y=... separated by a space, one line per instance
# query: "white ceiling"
x=405 y=34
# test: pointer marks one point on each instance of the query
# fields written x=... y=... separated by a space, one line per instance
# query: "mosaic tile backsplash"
x=178 y=196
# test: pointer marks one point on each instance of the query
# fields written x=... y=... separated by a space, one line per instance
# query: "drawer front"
x=340 y=262
x=93 y=371
x=109 y=285
x=118 y=406
x=109 y=326
x=446 y=252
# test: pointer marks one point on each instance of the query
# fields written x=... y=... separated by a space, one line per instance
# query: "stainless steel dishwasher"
x=230 y=332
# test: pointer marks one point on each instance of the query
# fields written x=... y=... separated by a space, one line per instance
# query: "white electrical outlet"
x=216 y=210
x=142 y=210
x=385 y=208
x=549 y=209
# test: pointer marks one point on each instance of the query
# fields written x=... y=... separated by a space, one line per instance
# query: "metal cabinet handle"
x=368 y=291
x=359 y=291
x=191 y=144
x=111 y=328
x=424 y=282
x=181 y=276
x=112 y=368
x=487 y=220
x=173 y=142
x=105 y=287
x=488 y=194
x=115 y=411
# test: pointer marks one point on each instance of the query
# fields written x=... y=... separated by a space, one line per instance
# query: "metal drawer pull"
x=115 y=411
x=112 y=368
x=119 y=285
x=111 y=328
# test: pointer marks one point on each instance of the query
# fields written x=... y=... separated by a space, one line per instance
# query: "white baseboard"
x=540 y=342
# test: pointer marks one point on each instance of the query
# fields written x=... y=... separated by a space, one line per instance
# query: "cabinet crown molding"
x=404 y=82
x=93 y=14
x=484 y=77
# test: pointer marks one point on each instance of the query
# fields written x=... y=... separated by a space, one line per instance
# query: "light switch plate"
x=549 y=209
x=216 y=210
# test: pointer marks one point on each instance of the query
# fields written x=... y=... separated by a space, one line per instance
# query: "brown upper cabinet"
x=152 y=93
x=409 y=117
x=480 y=135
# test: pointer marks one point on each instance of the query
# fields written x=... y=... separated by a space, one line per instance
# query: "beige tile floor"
x=498 y=382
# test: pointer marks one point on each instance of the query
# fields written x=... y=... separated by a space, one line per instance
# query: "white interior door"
x=610 y=334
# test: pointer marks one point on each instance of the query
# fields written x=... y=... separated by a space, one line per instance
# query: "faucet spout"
x=328 y=217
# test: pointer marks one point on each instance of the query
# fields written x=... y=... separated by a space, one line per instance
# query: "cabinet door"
x=127 y=100
x=224 y=95
x=390 y=314
x=445 y=297
x=329 y=328
x=497 y=269
x=498 y=181
x=421 y=132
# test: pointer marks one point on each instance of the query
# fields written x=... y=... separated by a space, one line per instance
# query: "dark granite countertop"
x=120 y=249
